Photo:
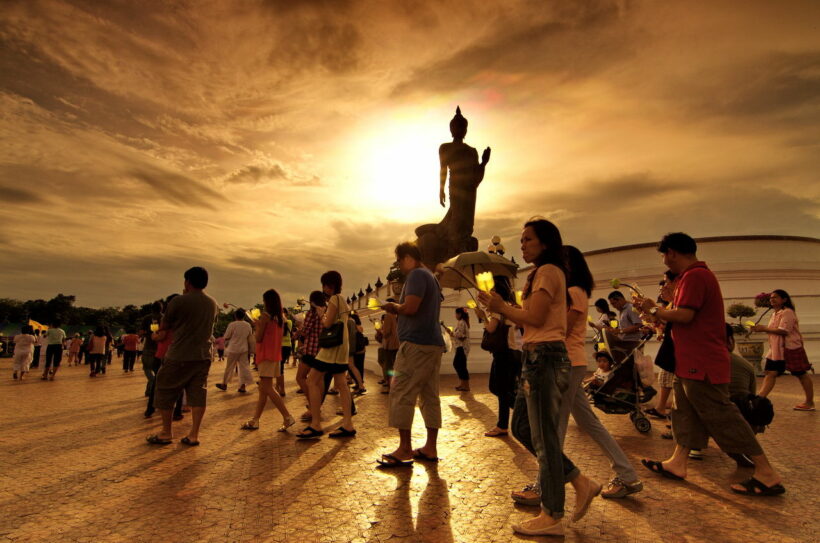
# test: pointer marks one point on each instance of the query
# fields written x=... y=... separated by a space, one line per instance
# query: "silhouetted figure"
x=453 y=235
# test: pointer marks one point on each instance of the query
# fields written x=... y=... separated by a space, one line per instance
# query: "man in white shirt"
x=238 y=336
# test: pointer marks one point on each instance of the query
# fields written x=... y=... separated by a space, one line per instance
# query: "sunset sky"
x=270 y=141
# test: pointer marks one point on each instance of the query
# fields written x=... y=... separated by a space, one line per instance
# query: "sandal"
x=753 y=487
x=287 y=423
x=803 y=407
x=418 y=455
x=341 y=431
x=186 y=441
x=390 y=461
x=250 y=425
x=496 y=432
x=657 y=467
x=156 y=440
x=310 y=433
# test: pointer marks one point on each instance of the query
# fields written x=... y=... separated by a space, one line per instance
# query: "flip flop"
x=418 y=455
x=249 y=425
x=657 y=467
x=393 y=462
x=156 y=440
x=342 y=432
x=310 y=433
x=186 y=441
x=803 y=407
x=756 y=488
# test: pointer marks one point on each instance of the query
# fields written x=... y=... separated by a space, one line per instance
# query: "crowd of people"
x=538 y=372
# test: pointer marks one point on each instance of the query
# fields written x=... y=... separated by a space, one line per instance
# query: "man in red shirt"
x=703 y=372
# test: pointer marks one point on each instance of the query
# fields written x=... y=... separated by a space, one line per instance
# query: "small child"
x=603 y=373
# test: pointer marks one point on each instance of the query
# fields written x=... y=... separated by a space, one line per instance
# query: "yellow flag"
x=36 y=325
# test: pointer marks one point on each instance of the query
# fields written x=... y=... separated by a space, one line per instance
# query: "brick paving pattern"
x=75 y=467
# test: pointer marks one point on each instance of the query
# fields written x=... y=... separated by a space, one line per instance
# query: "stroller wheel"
x=642 y=424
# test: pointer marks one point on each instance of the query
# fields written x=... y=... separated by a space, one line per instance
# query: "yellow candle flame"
x=519 y=297
x=155 y=327
x=602 y=346
x=374 y=303
x=613 y=323
x=471 y=304
x=255 y=313
x=378 y=326
x=485 y=281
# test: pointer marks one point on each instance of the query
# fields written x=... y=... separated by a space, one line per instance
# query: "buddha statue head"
x=458 y=125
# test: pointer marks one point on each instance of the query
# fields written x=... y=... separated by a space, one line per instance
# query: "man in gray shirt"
x=190 y=318
x=629 y=322
x=418 y=361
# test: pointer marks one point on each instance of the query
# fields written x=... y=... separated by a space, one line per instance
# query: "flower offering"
x=485 y=281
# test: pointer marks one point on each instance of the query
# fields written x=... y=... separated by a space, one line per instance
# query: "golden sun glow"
x=398 y=162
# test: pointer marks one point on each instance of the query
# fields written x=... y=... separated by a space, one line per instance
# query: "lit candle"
x=485 y=281
x=519 y=297
x=255 y=313
x=377 y=325
x=154 y=327
x=471 y=304
x=374 y=303
x=749 y=324
x=613 y=323
x=602 y=347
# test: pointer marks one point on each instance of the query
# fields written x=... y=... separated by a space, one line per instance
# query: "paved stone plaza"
x=75 y=467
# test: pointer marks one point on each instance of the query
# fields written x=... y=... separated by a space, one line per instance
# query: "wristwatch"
x=653 y=310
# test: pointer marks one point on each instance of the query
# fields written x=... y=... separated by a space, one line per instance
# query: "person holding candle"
x=268 y=334
x=545 y=377
x=506 y=364
x=786 y=351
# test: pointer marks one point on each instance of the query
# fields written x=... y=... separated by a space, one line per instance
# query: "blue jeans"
x=544 y=378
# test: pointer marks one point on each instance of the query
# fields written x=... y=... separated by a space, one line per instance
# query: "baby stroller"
x=621 y=394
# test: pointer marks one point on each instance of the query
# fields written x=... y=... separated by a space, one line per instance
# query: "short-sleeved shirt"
x=628 y=317
x=55 y=336
x=577 y=335
x=423 y=328
x=700 y=345
x=130 y=342
x=784 y=319
x=24 y=343
x=237 y=334
x=191 y=316
x=461 y=336
x=743 y=376
x=309 y=333
x=551 y=280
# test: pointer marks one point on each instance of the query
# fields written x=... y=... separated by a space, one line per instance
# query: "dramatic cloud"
x=273 y=140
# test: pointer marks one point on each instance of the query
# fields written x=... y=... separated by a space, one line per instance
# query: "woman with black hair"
x=268 y=334
x=580 y=284
x=332 y=360
x=461 y=341
x=786 y=351
x=506 y=365
x=545 y=376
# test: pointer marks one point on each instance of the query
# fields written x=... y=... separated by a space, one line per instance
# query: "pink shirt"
x=577 y=335
x=270 y=348
x=784 y=319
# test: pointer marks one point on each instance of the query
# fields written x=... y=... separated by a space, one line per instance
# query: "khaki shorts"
x=416 y=378
x=269 y=369
x=174 y=376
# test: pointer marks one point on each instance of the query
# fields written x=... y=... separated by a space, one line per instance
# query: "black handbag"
x=496 y=341
x=665 y=359
x=333 y=336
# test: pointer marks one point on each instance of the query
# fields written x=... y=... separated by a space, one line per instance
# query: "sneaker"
x=648 y=394
x=617 y=488
x=696 y=454
x=529 y=495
